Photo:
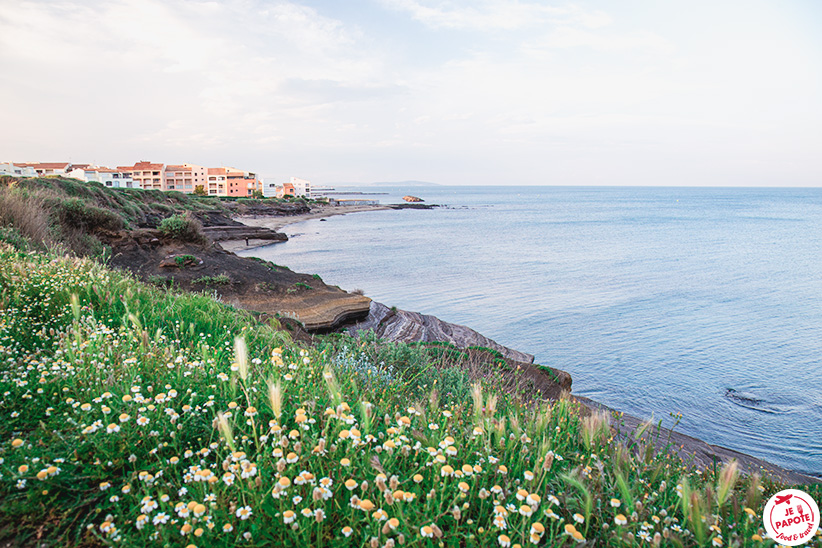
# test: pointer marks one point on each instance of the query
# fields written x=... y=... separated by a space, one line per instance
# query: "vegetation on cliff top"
x=48 y=212
x=133 y=416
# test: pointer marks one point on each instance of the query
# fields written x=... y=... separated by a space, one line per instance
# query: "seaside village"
x=186 y=178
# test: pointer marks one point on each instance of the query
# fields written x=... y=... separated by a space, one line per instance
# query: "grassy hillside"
x=133 y=416
x=50 y=212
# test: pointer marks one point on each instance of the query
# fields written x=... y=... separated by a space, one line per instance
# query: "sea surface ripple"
x=704 y=301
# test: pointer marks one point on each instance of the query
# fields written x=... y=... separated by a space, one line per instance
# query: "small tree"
x=199 y=190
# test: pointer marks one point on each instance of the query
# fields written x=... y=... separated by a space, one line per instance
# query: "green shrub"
x=76 y=213
x=221 y=279
x=12 y=236
x=185 y=260
x=184 y=228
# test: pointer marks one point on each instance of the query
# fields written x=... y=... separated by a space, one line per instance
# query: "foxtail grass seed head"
x=241 y=356
x=225 y=430
x=476 y=396
x=75 y=306
x=727 y=480
x=275 y=397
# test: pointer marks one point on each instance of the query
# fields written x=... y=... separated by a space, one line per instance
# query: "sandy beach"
x=278 y=222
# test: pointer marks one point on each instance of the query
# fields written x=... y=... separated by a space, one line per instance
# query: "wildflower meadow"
x=135 y=416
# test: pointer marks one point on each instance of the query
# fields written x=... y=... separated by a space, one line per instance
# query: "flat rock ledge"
x=401 y=325
x=242 y=232
x=324 y=311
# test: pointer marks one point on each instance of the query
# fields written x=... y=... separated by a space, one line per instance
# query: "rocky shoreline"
x=265 y=222
x=399 y=325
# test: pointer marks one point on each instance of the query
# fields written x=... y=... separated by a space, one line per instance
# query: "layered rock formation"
x=401 y=325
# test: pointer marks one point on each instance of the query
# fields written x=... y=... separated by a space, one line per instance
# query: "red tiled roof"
x=146 y=166
x=45 y=165
x=216 y=171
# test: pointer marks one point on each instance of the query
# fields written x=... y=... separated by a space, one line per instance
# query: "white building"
x=269 y=188
x=302 y=187
x=43 y=169
x=112 y=178
x=17 y=170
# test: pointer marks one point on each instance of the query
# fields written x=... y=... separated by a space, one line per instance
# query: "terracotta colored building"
x=179 y=178
x=241 y=183
x=146 y=175
x=286 y=190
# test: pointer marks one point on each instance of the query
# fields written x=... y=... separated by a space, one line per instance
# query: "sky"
x=506 y=92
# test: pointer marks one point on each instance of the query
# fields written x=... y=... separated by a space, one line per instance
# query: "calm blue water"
x=656 y=300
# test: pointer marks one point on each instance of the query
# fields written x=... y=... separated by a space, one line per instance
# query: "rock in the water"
x=412 y=199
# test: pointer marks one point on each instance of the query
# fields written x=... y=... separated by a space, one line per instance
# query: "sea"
x=658 y=301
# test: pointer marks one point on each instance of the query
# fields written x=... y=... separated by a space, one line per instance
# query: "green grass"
x=185 y=260
x=59 y=212
x=134 y=416
x=220 y=279
x=268 y=264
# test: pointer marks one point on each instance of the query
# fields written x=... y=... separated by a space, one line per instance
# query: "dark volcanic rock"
x=401 y=325
x=266 y=209
x=254 y=284
x=243 y=232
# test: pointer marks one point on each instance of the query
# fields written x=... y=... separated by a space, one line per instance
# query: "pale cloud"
x=458 y=92
x=494 y=14
x=199 y=74
x=566 y=37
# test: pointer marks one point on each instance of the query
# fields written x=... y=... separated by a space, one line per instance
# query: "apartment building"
x=112 y=178
x=302 y=187
x=286 y=190
x=43 y=169
x=199 y=176
x=146 y=175
x=17 y=170
x=242 y=183
x=218 y=181
x=269 y=188
x=179 y=178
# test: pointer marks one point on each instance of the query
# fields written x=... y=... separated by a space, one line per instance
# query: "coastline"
x=279 y=222
x=702 y=453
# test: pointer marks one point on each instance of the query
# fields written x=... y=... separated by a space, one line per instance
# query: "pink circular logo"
x=791 y=517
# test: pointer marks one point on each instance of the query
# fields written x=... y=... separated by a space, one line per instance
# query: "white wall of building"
x=110 y=178
x=302 y=187
x=269 y=188
x=9 y=168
